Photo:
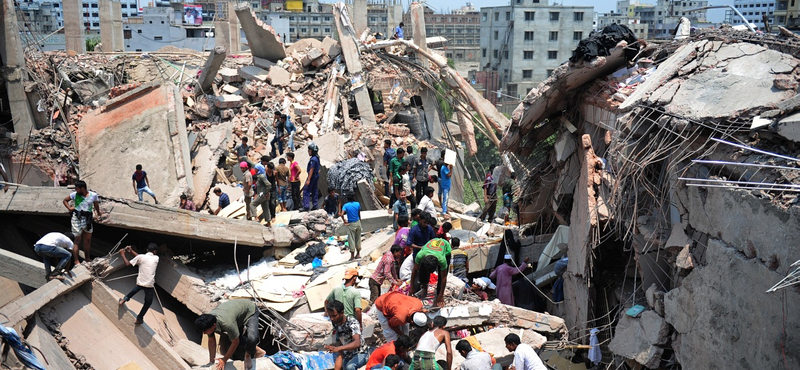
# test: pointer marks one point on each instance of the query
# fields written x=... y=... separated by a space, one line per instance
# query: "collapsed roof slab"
x=21 y=269
x=147 y=217
x=261 y=38
x=144 y=126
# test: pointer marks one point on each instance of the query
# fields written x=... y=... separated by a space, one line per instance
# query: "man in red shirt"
x=399 y=347
x=294 y=180
x=394 y=312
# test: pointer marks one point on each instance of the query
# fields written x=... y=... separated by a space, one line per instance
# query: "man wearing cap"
x=348 y=295
x=395 y=310
x=504 y=275
x=247 y=188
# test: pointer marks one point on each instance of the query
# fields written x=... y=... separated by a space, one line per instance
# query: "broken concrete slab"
x=11 y=291
x=41 y=339
x=789 y=127
x=263 y=63
x=330 y=47
x=253 y=73
x=191 y=352
x=229 y=101
x=205 y=160
x=262 y=39
x=210 y=68
x=230 y=75
x=352 y=57
x=278 y=76
x=143 y=126
x=184 y=285
x=641 y=338
x=21 y=269
x=25 y=307
x=371 y=221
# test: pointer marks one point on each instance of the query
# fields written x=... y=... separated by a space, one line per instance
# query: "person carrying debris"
x=283 y=182
x=420 y=170
x=525 y=358
x=279 y=126
x=187 y=204
x=141 y=184
x=145 y=280
x=399 y=348
x=503 y=275
x=311 y=187
x=395 y=311
x=294 y=180
x=474 y=359
x=224 y=200
x=352 y=209
x=247 y=188
x=263 y=190
x=348 y=295
x=238 y=320
x=429 y=342
x=84 y=202
x=351 y=353
x=386 y=269
x=56 y=245
x=435 y=256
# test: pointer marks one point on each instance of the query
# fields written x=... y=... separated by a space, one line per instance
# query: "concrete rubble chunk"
x=211 y=67
x=262 y=39
x=229 y=101
x=641 y=338
x=262 y=63
x=278 y=76
x=685 y=259
x=253 y=73
x=26 y=306
x=21 y=269
x=229 y=75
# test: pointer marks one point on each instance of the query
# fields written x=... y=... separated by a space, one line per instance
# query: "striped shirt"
x=386 y=270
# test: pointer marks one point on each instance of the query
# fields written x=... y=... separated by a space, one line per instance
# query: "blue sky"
x=601 y=6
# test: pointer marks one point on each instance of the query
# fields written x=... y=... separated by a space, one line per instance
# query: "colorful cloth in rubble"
x=286 y=360
x=22 y=350
x=317 y=360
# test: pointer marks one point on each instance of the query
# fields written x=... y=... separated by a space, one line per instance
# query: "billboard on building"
x=294 y=5
x=192 y=14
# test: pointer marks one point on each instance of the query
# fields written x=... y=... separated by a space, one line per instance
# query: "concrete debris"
x=641 y=338
x=262 y=39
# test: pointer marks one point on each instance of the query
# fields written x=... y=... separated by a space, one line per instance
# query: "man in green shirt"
x=238 y=320
x=348 y=295
x=434 y=256
x=394 y=173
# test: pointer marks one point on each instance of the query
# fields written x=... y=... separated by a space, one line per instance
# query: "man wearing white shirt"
x=148 y=263
x=56 y=245
x=426 y=203
x=525 y=358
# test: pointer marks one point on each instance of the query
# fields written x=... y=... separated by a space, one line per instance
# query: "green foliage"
x=487 y=155
x=469 y=196
x=91 y=43
x=442 y=92
x=451 y=63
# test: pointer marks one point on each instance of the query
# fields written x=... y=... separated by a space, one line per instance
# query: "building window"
x=578 y=16
x=508 y=16
x=138 y=31
x=127 y=34
x=291 y=19
x=577 y=36
x=549 y=72
x=496 y=17
x=552 y=54
x=483 y=17
x=123 y=6
x=291 y=29
x=327 y=19
x=315 y=30
x=527 y=54
x=528 y=35
x=554 y=16
x=495 y=53
x=529 y=16
x=302 y=19
x=327 y=30
x=496 y=35
x=157 y=38
x=553 y=35
x=527 y=73
x=505 y=54
x=303 y=30
x=483 y=52
x=94 y=5
x=315 y=19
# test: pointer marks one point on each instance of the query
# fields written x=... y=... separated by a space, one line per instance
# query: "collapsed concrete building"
x=675 y=168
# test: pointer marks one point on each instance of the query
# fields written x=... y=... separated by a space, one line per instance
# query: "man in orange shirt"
x=394 y=312
x=400 y=347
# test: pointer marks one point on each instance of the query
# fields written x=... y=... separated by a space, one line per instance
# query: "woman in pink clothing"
x=503 y=275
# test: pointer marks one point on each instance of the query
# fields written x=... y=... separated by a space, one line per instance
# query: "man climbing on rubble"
x=282 y=173
x=187 y=204
x=398 y=32
x=241 y=151
x=395 y=311
x=399 y=347
x=429 y=342
x=224 y=200
x=525 y=358
x=489 y=196
x=279 y=125
x=262 y=196
x=311 y=187
x=474 y=359
x=331 y=203
x=351 y=353
x=352 y=209
x=407 y=180
x=238 y=320
x=420 y=170
x=294 y=180
x=141 y=184
x=272 y=177
x=348 y=295
x=434 y=257
x=56 y=245
x=247 y=188
x=503 y=276
x=388 y=154
x=85 y=203
x=386 y=270
x=290 y=131
x=145 y=280
x=426 y=203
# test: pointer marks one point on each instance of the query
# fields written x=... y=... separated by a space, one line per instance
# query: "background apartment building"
x=662 y=17
x=640 y=29
x=42 y=16
x=461 y=28
x=754 y=11
x=523 y=43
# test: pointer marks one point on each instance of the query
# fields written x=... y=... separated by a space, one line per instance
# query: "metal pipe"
x=746 y=22
x=755 y=150
x=742 y=187
x=746 y=164
x=739 y=182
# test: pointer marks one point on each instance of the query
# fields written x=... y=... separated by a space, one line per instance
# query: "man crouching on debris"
x=351 y=354
x=238 y=320
x=84 y=203
x=56 y=245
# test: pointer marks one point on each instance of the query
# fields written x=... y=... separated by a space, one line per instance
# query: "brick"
x=253 y=73
x=229 y=75
x=229 y=101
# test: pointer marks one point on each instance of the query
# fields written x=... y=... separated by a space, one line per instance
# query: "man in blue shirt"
x=279 y=126
x=388 y=154
x=141 y=184
x=290 y=130
x=398 y=31
x=444 y=185
x=311 y=187
x=352 y=210
x=421 y=233
x=224 y=200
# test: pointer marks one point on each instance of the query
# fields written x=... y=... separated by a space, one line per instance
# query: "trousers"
x=311 y=195
x=354 y=236
x=295 y=194
x=148 y=299
x=47 y=251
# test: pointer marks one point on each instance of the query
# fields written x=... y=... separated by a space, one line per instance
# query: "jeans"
x=282 y=193
x=148 y=299
x=248 y=339
x=295 y=194
x=291 y=141
x=354 y=236
x=277 y=139
x=143 y=190
x=311 y=195
x=354 y=363
x=47 y=251
x=445 y=197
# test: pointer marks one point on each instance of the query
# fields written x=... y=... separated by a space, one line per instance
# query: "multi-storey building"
x=663 y=17
x=45 y=16
x=754 y=11
x=634 y=23
x=524 y=42
x=461 y=28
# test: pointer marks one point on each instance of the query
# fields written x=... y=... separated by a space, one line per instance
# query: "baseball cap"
x=243 y=164
x=420 y=319
x=350 y=273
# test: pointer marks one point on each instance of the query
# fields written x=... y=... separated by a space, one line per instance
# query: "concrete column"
x=73 y=26
x=429 y=102
x=116 y=17
x=209 y=71
x=359 y=18
x=394 y=15
x=106 y=24
x=14 y=59
x=222 y=34
x=234 y=33
x=418 y=27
